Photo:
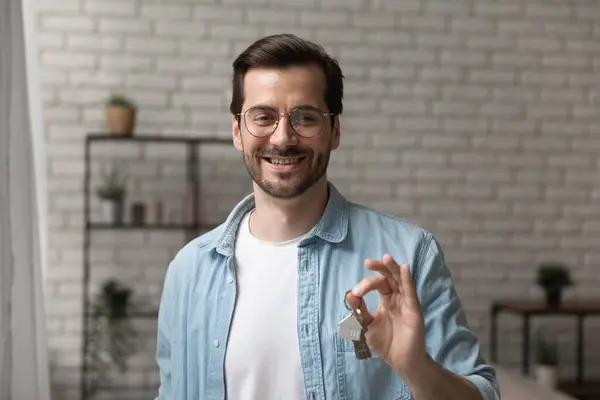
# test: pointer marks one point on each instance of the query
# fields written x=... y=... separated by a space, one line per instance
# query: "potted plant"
x=111 y=338
x=545 y=360
x=120 y=115
x=553 y=278
x=112 y=193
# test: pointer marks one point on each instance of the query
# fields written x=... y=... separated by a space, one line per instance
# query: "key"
x=361 y=350
x=351 y=328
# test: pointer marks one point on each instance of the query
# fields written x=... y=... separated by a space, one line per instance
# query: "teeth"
x=287 y=161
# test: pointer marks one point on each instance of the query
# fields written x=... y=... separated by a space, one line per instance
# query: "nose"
x=284 y=135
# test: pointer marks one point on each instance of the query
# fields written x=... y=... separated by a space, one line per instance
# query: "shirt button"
x=230 y=280
x=216 y=343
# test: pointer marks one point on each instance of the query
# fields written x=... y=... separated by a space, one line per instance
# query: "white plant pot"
x=546 y=376
x=112 y=211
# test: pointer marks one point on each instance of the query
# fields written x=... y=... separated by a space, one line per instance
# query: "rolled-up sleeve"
x=449 y=340
x=487 y=386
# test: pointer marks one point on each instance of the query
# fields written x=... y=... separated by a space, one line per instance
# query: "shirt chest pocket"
x=370 y=379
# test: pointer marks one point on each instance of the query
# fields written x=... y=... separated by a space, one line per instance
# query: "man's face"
x=285 y=164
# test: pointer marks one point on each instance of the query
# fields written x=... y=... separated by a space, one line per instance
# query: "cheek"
x=250 y=144
x=322 y=147
x=251 y=155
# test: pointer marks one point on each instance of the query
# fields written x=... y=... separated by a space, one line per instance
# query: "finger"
x=356 y=302
x=410 y=292
x=393 y=268
x=374 y=282
x=376 y=265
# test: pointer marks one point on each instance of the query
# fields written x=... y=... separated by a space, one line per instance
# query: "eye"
x=306 y=118
x=262 y=117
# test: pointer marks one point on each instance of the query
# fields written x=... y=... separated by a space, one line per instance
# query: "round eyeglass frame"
x=280 y=115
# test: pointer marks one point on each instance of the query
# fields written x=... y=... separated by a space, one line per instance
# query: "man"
x=250 y=310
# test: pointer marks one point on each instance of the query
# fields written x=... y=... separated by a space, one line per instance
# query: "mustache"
x=286 y=152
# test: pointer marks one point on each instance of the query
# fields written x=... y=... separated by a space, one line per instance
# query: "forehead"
x=285 y=87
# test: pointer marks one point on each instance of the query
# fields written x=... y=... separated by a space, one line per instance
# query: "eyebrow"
x=262 y=107
x=302 y=106
x=309 y=106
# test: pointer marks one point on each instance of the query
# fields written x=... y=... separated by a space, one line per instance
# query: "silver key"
x=351 y=328
x=361 y=350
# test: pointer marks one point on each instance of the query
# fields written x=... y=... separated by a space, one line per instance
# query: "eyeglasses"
x=263 y=121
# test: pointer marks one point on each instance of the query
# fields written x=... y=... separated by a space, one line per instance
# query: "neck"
x=278 y=220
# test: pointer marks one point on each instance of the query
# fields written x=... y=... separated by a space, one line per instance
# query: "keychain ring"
x=346 y=303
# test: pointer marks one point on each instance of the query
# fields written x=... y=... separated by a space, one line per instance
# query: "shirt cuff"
x=486 y=388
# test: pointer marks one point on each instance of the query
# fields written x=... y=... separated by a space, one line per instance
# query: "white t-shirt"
x=262 y=361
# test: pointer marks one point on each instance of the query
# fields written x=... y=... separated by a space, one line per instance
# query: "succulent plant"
x=119 y=100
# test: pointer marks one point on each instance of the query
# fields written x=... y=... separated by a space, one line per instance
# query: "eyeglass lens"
x=262 y=122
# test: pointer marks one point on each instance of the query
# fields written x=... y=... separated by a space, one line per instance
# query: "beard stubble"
x=317 y=166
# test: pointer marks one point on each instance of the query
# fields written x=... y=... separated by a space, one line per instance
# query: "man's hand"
x=395 y=331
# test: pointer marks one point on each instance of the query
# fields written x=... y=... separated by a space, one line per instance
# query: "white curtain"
x=23 y=341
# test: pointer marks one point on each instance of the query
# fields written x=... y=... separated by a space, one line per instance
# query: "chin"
x=284 y=184
x=282 y=190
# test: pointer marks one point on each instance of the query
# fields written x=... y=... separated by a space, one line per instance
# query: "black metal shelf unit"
x=192 y=171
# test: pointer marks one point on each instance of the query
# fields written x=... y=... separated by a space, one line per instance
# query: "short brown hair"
x=286 y=50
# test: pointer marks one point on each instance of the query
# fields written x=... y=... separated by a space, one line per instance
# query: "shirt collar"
x=332 y=226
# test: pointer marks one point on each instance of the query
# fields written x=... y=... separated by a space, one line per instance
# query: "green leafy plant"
x=553 y=278
x=113 y=186
x=545 y=351
x=111 y=337
x=119 y=100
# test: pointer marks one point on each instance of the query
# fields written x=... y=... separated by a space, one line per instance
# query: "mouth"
x=284 y=161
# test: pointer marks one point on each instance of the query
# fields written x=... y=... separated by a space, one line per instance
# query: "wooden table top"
x=533 y=306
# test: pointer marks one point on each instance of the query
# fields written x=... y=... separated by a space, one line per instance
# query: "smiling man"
x=264 y=306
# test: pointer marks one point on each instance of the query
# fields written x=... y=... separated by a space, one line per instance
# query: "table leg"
x=525 y=349
x=580 y=319
x=494 y=335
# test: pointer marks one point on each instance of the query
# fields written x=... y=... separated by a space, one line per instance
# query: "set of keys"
x=352 y=328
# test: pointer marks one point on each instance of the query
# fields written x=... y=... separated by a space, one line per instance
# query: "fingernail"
x=356 y=291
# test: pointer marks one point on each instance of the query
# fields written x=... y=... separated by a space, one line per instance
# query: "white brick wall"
x=477 y=119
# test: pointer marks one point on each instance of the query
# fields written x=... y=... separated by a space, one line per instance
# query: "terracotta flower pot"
x=120 y=120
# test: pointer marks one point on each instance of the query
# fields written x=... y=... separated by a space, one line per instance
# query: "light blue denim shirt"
x=200 y=291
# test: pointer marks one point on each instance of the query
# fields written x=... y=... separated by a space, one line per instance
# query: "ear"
x=335 y=133
x=237 y=134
